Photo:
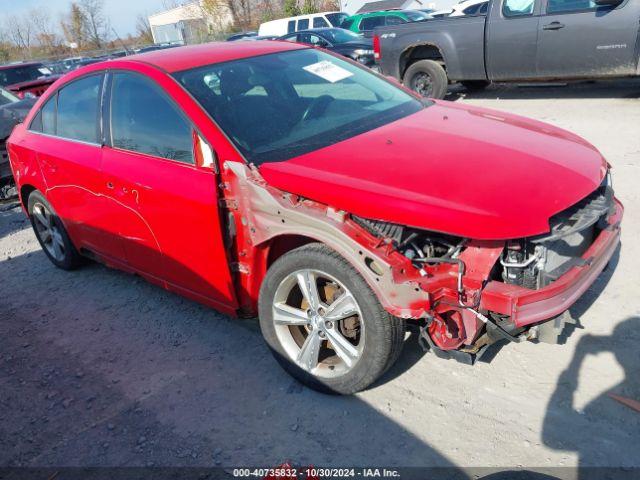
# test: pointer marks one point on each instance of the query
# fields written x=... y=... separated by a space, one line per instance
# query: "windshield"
x=336 y=19
x=278 y=106
x=339 y=35
x=23 y=73
x=7 y=97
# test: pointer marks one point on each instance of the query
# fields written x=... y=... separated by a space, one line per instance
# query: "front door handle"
x=110 y=185
x=554 y=26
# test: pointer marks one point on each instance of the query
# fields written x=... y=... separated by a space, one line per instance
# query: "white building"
x=186 y=23
x=352 y=7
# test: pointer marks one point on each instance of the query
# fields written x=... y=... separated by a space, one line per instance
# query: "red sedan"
x=272 y=178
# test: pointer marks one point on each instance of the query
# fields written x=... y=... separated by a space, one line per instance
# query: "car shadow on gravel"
x=100 y=368
x=619 y=88
x=608 y=425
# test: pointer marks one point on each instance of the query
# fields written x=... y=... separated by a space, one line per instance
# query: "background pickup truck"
x=518 y=40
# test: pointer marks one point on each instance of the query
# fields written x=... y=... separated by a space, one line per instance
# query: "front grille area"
x=572 y=232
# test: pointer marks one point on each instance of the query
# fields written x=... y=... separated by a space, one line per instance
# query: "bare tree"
x=96 y=23
x=143 y=29
x=20 y=32
x=74 y=25
x=44 y=30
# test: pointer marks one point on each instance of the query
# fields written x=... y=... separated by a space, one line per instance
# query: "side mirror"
x=608 y=3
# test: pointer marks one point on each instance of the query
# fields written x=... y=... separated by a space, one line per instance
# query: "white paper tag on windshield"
x=328 y=71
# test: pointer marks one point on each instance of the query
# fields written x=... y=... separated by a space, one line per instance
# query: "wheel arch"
x=26 y=190
x=422 y=51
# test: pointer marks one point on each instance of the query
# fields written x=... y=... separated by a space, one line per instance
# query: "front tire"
x=51 y=234
x=323 y=323
x=427 y=78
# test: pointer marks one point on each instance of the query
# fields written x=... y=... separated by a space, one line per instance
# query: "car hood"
x=471 y=172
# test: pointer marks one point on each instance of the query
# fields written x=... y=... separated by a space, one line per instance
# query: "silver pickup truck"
x=517 y=41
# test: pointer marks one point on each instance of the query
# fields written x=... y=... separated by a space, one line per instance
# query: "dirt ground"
x=99 y=368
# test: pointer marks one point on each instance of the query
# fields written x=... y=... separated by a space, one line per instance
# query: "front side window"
x=561 y=6
x=78 y=110
x=310 y=98
x=319 y=22
x=518 y=8
x=144 y=120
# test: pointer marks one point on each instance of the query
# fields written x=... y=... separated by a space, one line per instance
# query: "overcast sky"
x=122 y=13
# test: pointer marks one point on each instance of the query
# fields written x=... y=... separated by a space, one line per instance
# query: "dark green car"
x=366 y=22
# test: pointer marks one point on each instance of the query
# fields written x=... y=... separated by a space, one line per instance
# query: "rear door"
x=68 y=147
x=581 y=39
x=512 y=39
x=166 y=204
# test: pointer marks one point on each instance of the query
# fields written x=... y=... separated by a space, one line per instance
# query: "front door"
x=581 y=39
x=512 y=39
x=167 y=205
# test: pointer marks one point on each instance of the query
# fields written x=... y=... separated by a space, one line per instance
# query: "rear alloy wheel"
x=51 y=234
x=323 y=323
x=427 y=78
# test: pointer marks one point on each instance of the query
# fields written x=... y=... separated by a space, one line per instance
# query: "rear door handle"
x=110 y=185
x=554 y=26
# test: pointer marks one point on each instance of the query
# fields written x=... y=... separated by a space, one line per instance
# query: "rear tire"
x=51 y=234
x=427 y=78
x=374 y=337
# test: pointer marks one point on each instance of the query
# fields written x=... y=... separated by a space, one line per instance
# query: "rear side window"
x=303 y=24
x=144 y=120
x=291 y=26
x=394 y=20
x=78 y=107
x=319 y=22
x=556 y=6
x=517 y=8
x=371 y=22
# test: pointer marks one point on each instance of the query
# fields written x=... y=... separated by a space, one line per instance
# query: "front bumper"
x=526 y=307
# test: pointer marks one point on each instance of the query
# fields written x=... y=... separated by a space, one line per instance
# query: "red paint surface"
x=465 y=171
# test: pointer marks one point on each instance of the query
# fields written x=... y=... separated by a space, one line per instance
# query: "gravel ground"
x=99 y=368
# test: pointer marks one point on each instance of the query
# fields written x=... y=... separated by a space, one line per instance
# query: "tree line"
x=84 y=27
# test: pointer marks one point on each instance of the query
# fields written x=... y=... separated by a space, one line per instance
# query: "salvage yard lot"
x=100 y=368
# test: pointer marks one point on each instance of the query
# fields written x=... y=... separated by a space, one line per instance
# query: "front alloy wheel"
x=317 y=321
x=324 y=324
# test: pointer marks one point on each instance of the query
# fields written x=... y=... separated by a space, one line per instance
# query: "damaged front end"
x=464 y=294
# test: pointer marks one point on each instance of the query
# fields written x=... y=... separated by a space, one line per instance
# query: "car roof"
x=20 y=64
x=184 y=58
